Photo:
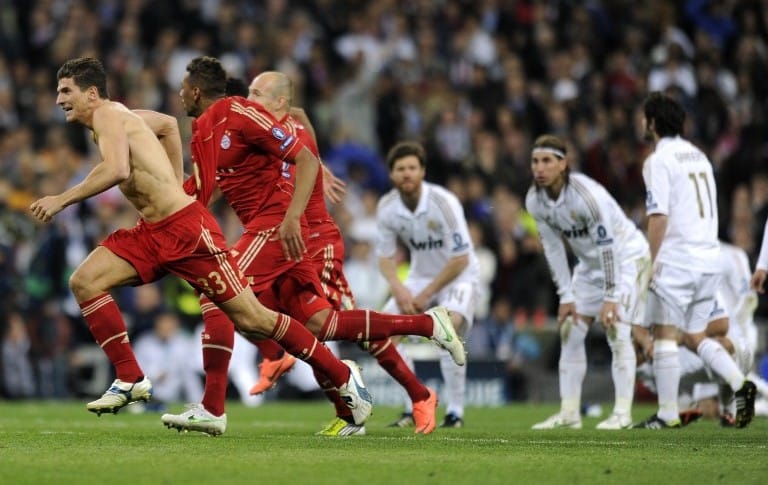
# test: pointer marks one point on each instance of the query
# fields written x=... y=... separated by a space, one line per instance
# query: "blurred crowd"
x=474 y=80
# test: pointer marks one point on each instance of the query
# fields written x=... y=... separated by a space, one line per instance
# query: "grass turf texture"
x=62 y=443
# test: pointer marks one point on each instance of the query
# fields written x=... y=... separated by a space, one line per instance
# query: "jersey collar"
x=421 y=207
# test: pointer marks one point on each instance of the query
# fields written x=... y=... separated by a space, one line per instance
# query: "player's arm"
x=333 y=187
x=301 y=116
x=166 y=128
x=113 y=168
x=657 y=227
x=557 y=259
x=386 y=248
x=601 y=234
x=761 y=266
x=307 y=166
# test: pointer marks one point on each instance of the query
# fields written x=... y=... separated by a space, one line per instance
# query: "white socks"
x=573 y=365
x=455 y=377
x=666 y=368
x=720 y=361
x=623 y=366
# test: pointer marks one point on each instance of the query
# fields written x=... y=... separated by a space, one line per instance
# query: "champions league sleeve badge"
x=278 y=133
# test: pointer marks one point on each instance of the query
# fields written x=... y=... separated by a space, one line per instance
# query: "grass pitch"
x=61 y=443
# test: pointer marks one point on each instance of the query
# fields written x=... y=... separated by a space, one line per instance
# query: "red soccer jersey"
x=238 y=145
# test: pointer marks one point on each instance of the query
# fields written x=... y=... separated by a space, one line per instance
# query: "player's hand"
x=421 y=302
x=564 y=311
x=290 y=237
x=609 y=314
x=334 y=188
x=404 y=300
x=44 y=209
x=758 y=281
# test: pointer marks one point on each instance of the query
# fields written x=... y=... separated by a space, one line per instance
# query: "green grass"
x=61 y=443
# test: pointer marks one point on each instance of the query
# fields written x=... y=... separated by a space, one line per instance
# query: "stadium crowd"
x=475 y=81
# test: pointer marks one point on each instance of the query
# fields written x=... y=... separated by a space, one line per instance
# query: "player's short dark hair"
x=550 y=141
x=404 y=149
x=85 y=72
x=236 y=87
x=667 y=114
x=207 y=74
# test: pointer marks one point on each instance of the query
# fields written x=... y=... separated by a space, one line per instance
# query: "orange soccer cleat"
x=270 y=371
x=424 y=414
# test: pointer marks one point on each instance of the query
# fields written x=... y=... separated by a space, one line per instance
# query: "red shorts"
x=259 y=254
x=189 y=244
x=297 y=293
x=327 y=256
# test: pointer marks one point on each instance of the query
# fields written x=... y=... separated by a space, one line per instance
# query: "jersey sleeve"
x=762 y=259
x=261 y=129
x=455 y=229
x=657 y=185
x=602 y=237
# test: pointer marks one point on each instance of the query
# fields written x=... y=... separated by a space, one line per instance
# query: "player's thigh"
x=104 y=270
x=260 y=257
x=671 y=292
x=699 y=312
x=459 y=298
x=300 y=295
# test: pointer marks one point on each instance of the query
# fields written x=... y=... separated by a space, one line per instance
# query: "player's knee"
x=82 y=284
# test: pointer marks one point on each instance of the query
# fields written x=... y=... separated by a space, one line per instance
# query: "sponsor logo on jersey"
x=226 y=142
x=576 y=232
x=434 y=225
x=428 y=244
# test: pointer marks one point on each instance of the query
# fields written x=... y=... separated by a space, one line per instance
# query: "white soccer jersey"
x=596 y=228
x=739 y=300
x=434 y=233
x=680 y=184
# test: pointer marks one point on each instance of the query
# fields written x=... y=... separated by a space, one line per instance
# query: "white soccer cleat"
x=615 y=421
x=196 y=418
x=121 y=394
x=355 y=394
x=559 y=421
x=444 y=335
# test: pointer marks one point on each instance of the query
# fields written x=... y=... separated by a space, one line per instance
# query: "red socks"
x=389 y=359
x=108 y=328
x=218 y=339
x=367 y=325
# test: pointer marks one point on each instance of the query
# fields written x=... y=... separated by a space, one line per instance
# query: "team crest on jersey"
x=278 y=133
x=434 y=225
x=226 y=142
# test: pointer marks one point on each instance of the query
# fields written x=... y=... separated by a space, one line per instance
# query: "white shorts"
x=632 y=291
x=459 y=297
x=681 y=297
x=719 y=309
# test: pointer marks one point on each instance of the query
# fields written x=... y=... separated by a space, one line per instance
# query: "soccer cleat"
x=424 y=414
x=404 y=421
x=341 y=427
x=270 y=371
x=689 y=416
x=444 y=335
x=745 y=403
x=356 y=396
x=559 y=421
x=196 y=418
x=655 y=422
x=615 y=421
x=452 y=421
x=121 y=394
